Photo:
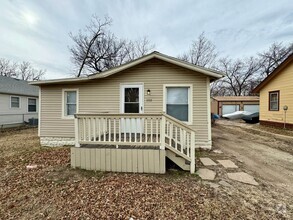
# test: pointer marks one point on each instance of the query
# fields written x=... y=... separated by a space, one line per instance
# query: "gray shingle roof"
x=17 y=87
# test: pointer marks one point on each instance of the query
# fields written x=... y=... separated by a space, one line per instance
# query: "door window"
x=131 y=100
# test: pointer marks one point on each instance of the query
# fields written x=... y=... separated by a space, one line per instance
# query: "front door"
x=131 y=101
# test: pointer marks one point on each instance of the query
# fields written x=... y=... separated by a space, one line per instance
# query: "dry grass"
x=55 y=191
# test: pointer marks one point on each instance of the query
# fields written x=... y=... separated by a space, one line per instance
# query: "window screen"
x=70 y=103
x=15 y=102
x=32 y=105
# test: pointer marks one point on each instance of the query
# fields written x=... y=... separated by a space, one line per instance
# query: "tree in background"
x=202 y=52
x=96 y=49
x=239 y=75
x=23 y=70
x=274 y=56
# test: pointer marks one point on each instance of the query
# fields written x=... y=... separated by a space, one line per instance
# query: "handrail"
x=178 y=122
x=77 y=115
x=158 y=129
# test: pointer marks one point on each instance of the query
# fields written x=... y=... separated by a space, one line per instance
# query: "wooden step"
x=181 y=162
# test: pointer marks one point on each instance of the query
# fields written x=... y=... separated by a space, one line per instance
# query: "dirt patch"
x=54 y=191
x=266 y=155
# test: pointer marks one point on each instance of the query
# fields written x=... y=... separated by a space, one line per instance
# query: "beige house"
x=276 y=95
x=139 y=112
x=222 y=105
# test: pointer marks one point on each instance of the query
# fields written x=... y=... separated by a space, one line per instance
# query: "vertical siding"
x=283 y=82
x=119 y=160
x=103 y=95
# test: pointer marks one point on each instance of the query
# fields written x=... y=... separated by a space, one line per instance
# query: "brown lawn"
x=55 y=191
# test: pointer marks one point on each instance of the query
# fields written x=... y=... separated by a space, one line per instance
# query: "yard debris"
x=217 y=151
x=59 y=192
x=31 y=167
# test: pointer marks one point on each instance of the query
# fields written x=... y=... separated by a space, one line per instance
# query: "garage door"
x=226 y=109
x=251 y=108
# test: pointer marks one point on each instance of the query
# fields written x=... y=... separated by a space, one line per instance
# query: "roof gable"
x=278 y=70
x=209 y=72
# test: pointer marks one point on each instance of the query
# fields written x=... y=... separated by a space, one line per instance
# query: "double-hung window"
x=274 y=101
x=32 y=105
x=178 y=102
x=70 y=103
x=15 y=102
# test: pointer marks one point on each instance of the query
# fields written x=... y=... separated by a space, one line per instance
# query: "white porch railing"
x=159 y=130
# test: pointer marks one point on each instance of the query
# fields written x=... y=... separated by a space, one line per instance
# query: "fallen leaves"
x=55 y=191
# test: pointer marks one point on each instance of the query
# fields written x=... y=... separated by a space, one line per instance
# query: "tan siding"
x=130 y=160
x=103 y=95
x=283 y=82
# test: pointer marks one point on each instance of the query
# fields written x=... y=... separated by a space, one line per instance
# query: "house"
x=18 y=101
x=276 y=95
x=222 y=105
x=125 y=118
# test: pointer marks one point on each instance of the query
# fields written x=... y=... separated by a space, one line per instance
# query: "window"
x=32 y=105
x=177 y=102
x=274 y=101
x=70 y=102
x=14 y=102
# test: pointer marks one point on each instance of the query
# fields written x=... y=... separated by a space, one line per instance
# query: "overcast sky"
x=37 y=31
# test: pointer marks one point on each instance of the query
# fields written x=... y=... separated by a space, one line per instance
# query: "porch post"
x=192 y=153
x=76 y=129
x=162 y=135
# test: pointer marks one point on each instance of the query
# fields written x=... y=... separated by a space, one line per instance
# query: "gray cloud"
x=238 y=28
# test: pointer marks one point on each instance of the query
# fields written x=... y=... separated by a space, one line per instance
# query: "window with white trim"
x=32 y=105
x=70 y=105
x=177 y=102
x=15 y=102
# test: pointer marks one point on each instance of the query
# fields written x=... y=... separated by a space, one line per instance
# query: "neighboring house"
x=126 y=106
x=18 y=101
x=222 y=105
x=276 y=92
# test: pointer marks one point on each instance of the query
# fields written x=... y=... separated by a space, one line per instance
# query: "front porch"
x=131 y=142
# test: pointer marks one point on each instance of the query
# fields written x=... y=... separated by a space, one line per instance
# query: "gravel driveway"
x=267 y=155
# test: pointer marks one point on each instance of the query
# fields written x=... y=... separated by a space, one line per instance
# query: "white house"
x=18 y=102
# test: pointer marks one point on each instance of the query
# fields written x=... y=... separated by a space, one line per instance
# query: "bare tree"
x=239 y=75
x=202 y=52
x=26 y=72
x=138 y=48
x=96 y=49
x=273 y=57
x=7 y=68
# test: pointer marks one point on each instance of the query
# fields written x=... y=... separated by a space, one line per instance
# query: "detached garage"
x=227 y=104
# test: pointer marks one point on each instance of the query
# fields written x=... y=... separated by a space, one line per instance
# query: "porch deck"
x=137 y=139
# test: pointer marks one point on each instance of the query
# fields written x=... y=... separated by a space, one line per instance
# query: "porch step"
x=181 y=162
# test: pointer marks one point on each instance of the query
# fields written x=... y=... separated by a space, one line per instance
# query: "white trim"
x=190 y=100
x=209 y=111
x=19 y=106
x=39 y=112
x=63 y=103
x=28 y=105
x=141 y=95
